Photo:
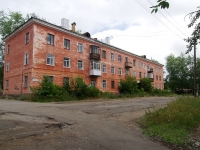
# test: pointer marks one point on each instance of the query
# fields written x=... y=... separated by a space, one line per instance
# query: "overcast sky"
x=129 y=23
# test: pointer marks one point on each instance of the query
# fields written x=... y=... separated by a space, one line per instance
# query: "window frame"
x=67 y=44
x=119 y=58
x=112 y=56
x=8 y=49
x=134 y=62
x=66 y=61
x=52 y=59
x=104 y=68
x=103 y=54
x=50 y=39
x=112 y=84
x=27 y=38
x=120 y=71
x=112 y=70
x=26 y=57
x=140 y=74
x=134 y=74
x=7 y=84
x=82 y=64
x=104 y=84
x=66 y=79
x=25 y=81
x=7 y=66
x=80 y=47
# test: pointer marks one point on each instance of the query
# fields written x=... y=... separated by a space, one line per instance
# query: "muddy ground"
x=85 y=125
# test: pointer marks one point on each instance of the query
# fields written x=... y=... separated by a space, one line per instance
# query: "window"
x=160 y=78
x=156 y=77
x=119 y=58
x=51 y=79
x=66 y=81
x=8 y=50
x=134 y=74
x=139 y=64
x=26 y=59
x=80 y=47
x=127 y=71
x=7 y=66
x=66 y=62
x=113 y=70
x=66 y=43
x=50 y=59
x=93 y=83
x=120 y=71
x=95 y=65
x=112 y=84
x=112 y=57
x=140 y=75
x=103 y=54
x=134 y=62
x=25 y=81
x=50 y=39
x=104 y=68
x=104 y=83
x=6 y=87
x=144 y=75
x=126 y=59
x=27 y=38
x=80 y=64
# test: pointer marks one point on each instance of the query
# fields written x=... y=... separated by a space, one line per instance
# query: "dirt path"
x=85 y=125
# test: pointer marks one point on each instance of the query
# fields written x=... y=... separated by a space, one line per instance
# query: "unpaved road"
x=85 y=125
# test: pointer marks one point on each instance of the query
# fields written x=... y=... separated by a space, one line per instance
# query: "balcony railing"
x=95 y=56
x=150 y=70
x=150 y=76
x=95 y=72
x=128 y=65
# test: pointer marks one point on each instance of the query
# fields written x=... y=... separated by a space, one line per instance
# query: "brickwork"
x=38 y=48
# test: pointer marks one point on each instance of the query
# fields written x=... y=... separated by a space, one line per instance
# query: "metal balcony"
x=150 y=70
x=95 y=56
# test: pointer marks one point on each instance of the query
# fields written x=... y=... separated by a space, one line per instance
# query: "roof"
x=59 y=28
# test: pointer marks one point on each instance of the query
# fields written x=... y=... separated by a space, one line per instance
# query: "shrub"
x=129 y=85
x=145 y=84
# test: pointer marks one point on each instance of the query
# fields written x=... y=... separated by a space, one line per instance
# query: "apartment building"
x=39 y=48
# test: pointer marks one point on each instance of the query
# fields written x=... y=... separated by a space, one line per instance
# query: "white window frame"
x=26 y=56
x=104 y=68
x=25 y=81
x=80 y=48
x=66 y=62
x=7 y=66
x=134 y=73
x=127 y=72
x=104 y=84
x=120 y=71
x=50 y=60
x=80 y=65
x=112 y=56
x=112 y=70
x=50 y=39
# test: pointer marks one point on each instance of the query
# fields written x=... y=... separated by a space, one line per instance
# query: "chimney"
x=65 y=23
x=107 y=40
x=73 y=27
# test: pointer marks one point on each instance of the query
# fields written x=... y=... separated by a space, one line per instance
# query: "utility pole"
x=195 y=86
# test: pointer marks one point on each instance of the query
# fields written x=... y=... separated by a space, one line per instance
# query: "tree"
x=8 y=23
x=145 y=83
x=162 y=4
x=129 y=85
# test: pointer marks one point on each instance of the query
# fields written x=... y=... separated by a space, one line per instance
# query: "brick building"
x=39 y=48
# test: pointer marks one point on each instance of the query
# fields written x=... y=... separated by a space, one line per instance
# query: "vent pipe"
x=65 y=23
x=74 y=27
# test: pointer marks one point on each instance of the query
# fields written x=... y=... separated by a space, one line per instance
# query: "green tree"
x=160 y=3
x=129 y=85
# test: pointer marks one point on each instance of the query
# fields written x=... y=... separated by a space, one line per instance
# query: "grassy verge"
x=175 y=122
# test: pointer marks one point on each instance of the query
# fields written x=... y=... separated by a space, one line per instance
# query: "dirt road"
x=85 y=125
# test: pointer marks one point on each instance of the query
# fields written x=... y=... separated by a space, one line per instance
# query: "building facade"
x=39 y=48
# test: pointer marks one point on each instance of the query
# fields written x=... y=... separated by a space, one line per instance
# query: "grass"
x=175 y=122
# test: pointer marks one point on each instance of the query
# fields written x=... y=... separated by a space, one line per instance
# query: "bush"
x=145 y=84
x=129 y=85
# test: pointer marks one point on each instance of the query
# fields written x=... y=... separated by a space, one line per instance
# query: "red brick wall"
x=38 y=49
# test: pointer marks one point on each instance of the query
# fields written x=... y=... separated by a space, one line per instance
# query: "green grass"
x=175 y=122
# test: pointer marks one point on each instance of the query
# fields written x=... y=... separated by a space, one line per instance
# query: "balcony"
x=95 y=72
x=128 y=65
x=95 y=68
x=150 y=76
x=150 y=70
x=95 y=56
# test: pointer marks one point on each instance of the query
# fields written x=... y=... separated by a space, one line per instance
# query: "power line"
x=168 y=19
x=141 y=4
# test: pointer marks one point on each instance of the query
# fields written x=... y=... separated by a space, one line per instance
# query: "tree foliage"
x=129 y=85
x=162 y=4
x=145 y=83
x=180 y=71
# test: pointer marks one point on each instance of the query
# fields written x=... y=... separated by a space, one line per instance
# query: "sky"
x=129 y=23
